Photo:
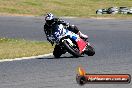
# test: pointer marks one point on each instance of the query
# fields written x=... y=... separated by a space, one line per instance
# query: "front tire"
x=71 y=50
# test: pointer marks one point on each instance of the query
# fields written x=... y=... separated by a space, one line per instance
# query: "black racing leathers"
x=48 y=28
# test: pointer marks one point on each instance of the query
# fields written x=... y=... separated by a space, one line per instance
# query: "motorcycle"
x=67 y=41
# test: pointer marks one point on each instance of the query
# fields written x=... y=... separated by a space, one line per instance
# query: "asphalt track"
x=111 y=38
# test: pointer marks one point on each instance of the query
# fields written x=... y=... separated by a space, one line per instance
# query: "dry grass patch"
x=79 y=8
x=11 y=48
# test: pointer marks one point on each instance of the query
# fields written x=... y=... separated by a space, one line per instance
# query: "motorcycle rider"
x=50 y=20
x=48 y=29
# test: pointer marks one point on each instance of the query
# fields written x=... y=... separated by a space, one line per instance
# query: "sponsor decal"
x=83 y=78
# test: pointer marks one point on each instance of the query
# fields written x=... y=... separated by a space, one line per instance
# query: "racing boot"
x=83 y=36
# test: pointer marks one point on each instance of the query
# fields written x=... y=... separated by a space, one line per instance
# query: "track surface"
x=112 y=40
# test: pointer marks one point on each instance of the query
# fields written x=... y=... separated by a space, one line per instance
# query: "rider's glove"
x=67 y=24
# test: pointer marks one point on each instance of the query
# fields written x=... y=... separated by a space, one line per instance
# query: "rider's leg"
x=82 y=35
x=76 y=30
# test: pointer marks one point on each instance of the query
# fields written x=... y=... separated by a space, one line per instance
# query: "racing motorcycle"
x=67 y=41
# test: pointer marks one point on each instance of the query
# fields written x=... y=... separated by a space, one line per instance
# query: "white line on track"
x=26 y=58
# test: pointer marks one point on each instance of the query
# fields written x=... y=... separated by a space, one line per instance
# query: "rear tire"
x=90 y=51
x=71 y=50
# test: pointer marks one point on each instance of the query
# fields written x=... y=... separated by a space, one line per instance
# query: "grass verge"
x=12 y=48
x=78 y=8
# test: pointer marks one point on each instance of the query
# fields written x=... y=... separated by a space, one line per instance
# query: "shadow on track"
x=58 y=58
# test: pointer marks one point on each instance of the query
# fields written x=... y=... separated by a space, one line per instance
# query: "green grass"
x=15 y=48
x=78 y=8
x=11 y=48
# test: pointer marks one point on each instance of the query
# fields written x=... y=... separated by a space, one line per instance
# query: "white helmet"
x=49 y=16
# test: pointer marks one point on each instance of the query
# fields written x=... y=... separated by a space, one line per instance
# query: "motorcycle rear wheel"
x=90 y=51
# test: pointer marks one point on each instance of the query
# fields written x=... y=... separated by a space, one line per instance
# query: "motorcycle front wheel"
x=72 y=50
